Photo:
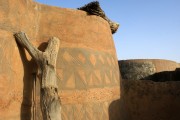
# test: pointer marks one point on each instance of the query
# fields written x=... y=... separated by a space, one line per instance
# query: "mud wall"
x=145 y=99
x=148 y=100
x=87 y=67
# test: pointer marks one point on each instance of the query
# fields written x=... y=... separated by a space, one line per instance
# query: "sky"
x=149 y=29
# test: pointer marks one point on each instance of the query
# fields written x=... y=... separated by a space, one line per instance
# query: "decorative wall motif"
x=80 y=68
x=88 y=83
x=91 y=111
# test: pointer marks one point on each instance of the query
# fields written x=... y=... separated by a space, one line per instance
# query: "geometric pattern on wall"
x=88 y=111
x=79 y=68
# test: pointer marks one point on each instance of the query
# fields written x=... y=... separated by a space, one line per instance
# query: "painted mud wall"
x=87 y=67
x=145 y=98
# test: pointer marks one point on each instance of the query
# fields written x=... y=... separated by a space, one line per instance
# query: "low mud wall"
x=149 y=69
x=149 y=99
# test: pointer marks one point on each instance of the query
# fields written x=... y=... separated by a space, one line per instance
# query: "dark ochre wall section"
x=87 y=67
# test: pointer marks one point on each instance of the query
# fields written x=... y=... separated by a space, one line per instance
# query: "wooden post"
x=46 y=61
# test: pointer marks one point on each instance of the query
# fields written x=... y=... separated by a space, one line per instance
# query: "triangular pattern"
x=79 y=113
x=67 y=112
x=89 y=112
x=87 y=69
x=82 y=76
x=90 y=80
x=96 y=82
x=113 y=62
x=59 y=74
x=70 y=82
x=81 y=58
x=101 y=113
x=97 y=108
x=98 y=74
x=108 y=73
x=106 y=78
x=80 y=81
x=92 y=59
x=105 y=108
x=101 y=59
x=67 y=57
x=108 y=61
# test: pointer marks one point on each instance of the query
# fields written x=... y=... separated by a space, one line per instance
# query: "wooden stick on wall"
x=46 y=61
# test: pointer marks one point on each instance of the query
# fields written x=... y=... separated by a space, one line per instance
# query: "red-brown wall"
x=87 y=67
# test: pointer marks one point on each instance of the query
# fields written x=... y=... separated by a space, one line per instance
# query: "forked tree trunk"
x=46 y=61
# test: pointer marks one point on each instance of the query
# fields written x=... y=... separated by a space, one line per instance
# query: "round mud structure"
x=149 y=69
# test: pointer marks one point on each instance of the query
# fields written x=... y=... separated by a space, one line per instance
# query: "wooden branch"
x=23 y=40
x=46 y=61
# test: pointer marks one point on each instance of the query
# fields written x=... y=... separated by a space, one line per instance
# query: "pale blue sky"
x=148 y=28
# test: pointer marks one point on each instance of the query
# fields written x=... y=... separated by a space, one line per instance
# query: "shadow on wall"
x=164 y=76
x=146 y=99
x=28 y=108
x=27 y=85
x=117 y=110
